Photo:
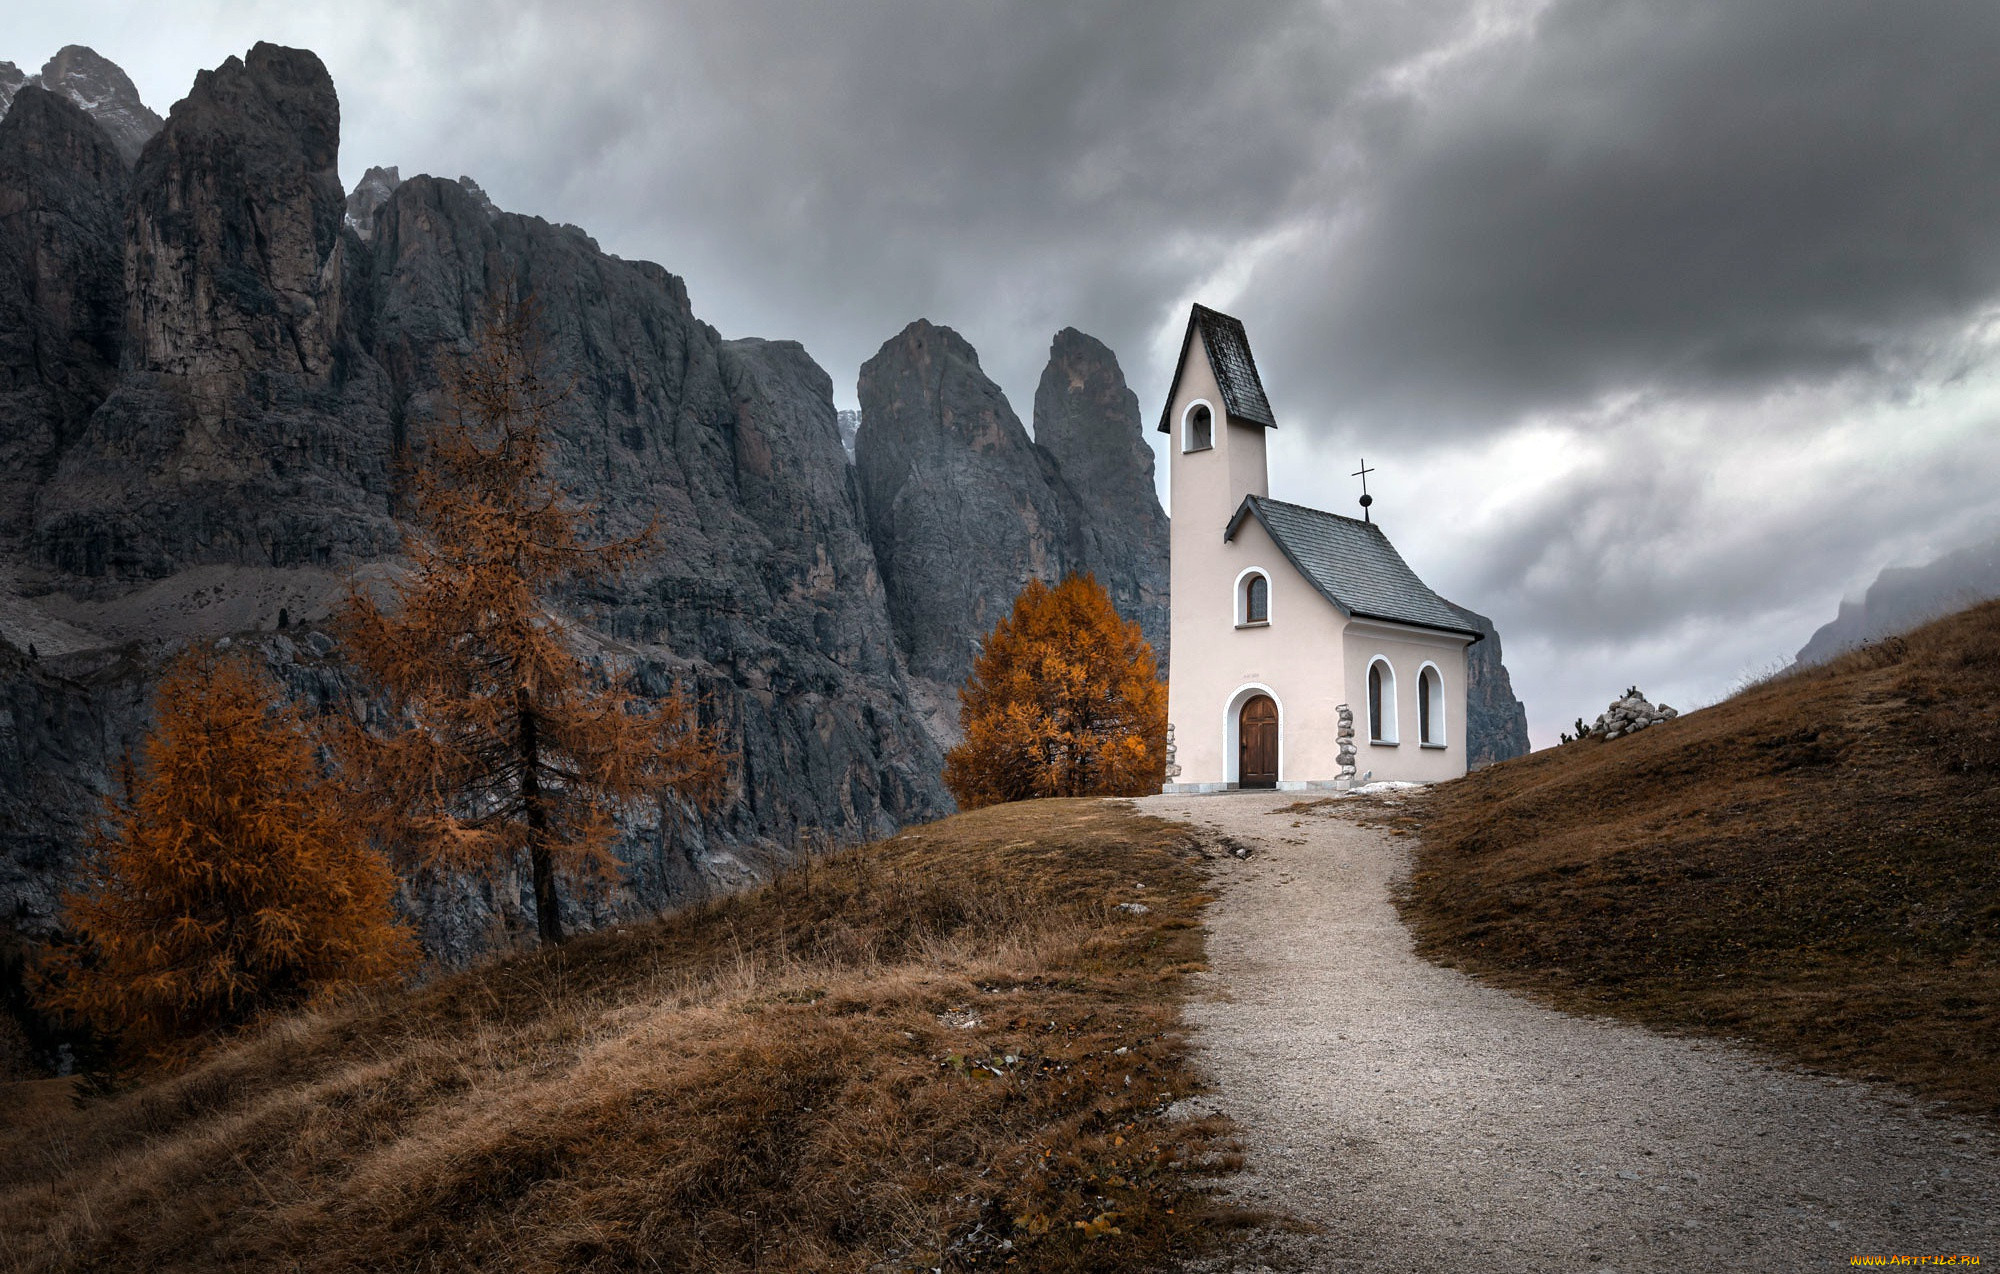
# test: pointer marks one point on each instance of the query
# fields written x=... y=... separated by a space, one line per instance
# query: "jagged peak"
x=480 y=197
x=12 y=80
x=922 y=332
x=271 y=87
x=368 y=196
x=105 y=93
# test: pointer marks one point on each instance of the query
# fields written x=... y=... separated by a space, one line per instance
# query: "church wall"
x=1407 y=650
x=1297 y=657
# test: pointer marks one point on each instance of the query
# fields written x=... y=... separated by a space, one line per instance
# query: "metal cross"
x=1366 y=499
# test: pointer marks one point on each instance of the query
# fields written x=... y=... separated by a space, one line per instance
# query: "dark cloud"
x=1684 y=196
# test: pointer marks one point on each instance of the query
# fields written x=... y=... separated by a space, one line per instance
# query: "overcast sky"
x=1664 y=325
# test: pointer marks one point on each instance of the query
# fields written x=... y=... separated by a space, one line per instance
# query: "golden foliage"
x=229 y=883
x=1065 y=700
x=504 y=737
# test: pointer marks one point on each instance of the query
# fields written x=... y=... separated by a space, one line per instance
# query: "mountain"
x=1088 y=419
x=1903 y=597
x=237 y=367
x=98 y=87
x=963 y=508
x=1496 y=723
x=11 y=80
x=373 y=190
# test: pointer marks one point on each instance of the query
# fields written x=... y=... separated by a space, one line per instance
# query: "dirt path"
x=1428 y=1122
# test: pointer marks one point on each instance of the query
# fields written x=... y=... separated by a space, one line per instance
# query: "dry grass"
x=1813 y=865
x=951 y=1049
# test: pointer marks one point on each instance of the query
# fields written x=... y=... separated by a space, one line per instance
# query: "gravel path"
x=1428 y=1122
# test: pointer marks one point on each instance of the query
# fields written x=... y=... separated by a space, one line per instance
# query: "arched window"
x=1199 y=431
x=1256 y=599
x=1430 y=707
x=1381 y=702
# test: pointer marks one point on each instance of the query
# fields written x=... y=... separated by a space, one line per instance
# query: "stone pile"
x=1344 y=740
x=1630 y=715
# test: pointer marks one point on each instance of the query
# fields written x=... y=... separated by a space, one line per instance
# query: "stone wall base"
x=1284 y=785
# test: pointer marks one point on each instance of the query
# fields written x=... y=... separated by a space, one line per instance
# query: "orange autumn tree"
x=230 y=881
x=1065 y=700
x=503 y=738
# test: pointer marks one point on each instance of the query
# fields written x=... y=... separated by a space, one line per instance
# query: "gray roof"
x=1228 y=348
x=1352 y=564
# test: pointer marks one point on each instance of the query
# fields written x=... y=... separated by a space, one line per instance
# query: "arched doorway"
x=1257 y=743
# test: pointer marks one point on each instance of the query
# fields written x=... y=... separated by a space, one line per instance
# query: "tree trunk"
x=548 y=908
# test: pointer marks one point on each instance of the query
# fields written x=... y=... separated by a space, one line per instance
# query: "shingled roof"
x=1228 y=348
x=1352 y=564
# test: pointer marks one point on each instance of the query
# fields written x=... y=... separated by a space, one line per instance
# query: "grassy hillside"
x=949 y=1049
x=1813 y=865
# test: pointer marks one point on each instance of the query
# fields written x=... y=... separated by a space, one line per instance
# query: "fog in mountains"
x=1906 y=597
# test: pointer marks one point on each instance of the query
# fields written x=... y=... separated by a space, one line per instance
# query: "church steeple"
x=1215 y=416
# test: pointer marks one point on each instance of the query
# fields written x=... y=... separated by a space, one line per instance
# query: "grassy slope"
x=1813 y=865
x=777 y=1081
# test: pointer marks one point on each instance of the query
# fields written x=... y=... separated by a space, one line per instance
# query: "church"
x=1307 y=654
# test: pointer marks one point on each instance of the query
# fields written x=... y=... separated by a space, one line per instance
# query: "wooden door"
x=1257 y=743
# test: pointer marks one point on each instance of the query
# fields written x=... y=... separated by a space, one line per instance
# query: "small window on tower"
x=1200 y=429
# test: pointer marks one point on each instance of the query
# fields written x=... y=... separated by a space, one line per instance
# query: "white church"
x=1307 y=655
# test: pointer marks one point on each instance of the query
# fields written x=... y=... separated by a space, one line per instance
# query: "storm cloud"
x=1664 y=325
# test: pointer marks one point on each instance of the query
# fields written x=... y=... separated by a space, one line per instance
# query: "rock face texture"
x=1906 y=597
x=370 y=193
x=1088 y=419
x=62 y=198
x=11 y=80
x=1496 y=723
x=963 y=509
x=105 y=93
x=229 y=448
x=245 y=425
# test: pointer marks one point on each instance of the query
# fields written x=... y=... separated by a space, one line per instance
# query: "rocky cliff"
x=246 y=423
x=963 y=508
x=95 y=85
x=1496 y=723
x=368 y=195
x=1088 y=419
x=12 y=78
x=62 y=203
x=219 y=451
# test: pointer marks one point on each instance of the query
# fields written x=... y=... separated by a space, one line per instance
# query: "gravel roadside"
x=1422 y=1120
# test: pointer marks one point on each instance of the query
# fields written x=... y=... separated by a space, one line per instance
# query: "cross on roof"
x=1366 y=499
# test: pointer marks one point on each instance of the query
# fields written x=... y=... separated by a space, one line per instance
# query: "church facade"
x=1307 y=654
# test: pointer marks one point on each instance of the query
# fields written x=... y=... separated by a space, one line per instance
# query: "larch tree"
x=230 y=879
x=503 y=738
x=1064 y=700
